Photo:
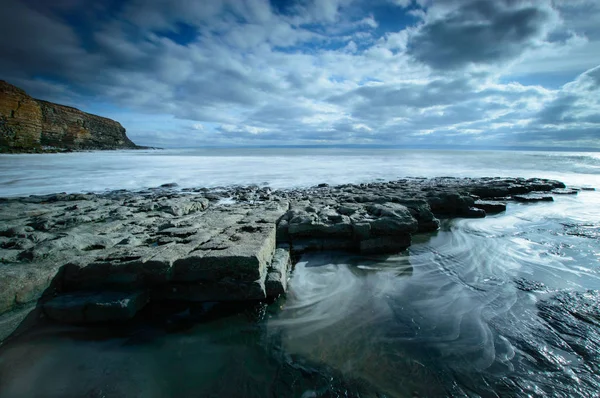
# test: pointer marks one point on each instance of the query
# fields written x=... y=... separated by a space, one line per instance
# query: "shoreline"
x=95 y=258
x=45 y=151
x=456 y=148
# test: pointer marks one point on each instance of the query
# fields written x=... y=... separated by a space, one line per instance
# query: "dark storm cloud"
x=33 y=43
x=478 y=32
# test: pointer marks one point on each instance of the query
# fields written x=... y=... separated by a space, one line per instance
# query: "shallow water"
x=505 y=306
x=458 y=314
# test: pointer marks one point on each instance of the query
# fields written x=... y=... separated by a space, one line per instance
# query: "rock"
x=225 y=290
x=18 y=231
x=24 y=284
x=20 y=119
x=278 y=273
x=429 y=226
x=303 y=224
x=392 y=220
x=474 y=212
x=11 y=321
x=421 y=211
x=237 y=253
x=564 y=191
x=532 y=198
x=123 y=269
x=385 y=244
x=283 y=234
x=321 y=227
x=183 y=207
x=331 y=244
x=86 y=307
x=181 y=246
x=347 y=210
x=450 y=204
x=9 y=256
x=490 y=207
x=543 y=185
x=494 y=191
x=362 y=230
x=530 y=286
x=27 y=124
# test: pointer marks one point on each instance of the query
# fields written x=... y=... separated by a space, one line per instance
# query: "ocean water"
x=506 y=306
x=276 y=167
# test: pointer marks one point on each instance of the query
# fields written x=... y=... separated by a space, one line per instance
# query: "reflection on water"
x=230 y=356
x=458 y=315
x=502 y=306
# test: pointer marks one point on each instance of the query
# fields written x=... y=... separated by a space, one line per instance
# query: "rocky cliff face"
x=27 y=124
x=20 y=118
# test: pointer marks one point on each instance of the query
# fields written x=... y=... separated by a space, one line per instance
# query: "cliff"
x=29 y=125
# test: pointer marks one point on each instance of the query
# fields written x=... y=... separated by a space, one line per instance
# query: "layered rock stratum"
x=88 y=258
x=30 y=125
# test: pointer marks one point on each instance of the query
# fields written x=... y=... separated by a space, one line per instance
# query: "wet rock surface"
x=221 y=244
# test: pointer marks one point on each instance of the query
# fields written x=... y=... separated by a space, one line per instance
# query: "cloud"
x=33 y=43
x=401 y=3
x=480 y=32
x=577 y=104
x=305 y=72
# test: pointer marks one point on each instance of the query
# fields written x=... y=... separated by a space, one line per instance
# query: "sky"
x=184 y=73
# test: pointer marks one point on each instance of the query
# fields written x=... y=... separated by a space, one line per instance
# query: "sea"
x=505 y=306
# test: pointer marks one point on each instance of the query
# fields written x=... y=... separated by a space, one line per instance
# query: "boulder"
x=421 y=211
x=490 y=207
x=450 y=204
x=474 y=212
x=391 y=219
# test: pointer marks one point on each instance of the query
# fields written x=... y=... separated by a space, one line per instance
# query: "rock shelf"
x=87 y=258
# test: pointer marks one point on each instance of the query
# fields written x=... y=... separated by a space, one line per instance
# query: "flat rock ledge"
x=87 y=258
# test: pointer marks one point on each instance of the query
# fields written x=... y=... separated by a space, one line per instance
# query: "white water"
x=277 y=167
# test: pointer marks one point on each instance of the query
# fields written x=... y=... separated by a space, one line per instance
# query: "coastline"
x=94 y=258
x=39 y=151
